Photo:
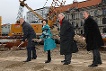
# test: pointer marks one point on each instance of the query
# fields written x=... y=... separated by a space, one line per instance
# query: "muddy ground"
x=12 y=60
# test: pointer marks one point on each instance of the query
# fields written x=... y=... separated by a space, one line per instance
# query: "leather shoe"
x=47 y=61
x=66 y=63
x=63 y=61
x=93 y=65
x=34 y=57
x=26 y=60
x=99 y=63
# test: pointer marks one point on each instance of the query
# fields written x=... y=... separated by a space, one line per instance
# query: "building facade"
x=98 y=12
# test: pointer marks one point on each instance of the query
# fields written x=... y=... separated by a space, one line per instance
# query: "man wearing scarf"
x=66 y=39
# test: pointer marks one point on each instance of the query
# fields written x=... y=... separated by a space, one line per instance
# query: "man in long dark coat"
x=66 y=39
x=29 y=34
x=93 y=38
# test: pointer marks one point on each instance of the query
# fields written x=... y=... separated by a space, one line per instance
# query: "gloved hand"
x=39 y=40
x=35 y=40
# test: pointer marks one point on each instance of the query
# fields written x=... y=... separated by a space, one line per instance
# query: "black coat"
x=29 y=34
x=66 y=38
x=92 y=34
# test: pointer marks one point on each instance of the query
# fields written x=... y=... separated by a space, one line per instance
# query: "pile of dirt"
x=12 y=60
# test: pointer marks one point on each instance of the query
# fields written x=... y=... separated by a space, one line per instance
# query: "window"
x=104 y=30
x=104 y=12
x=104 y=21
x=95 y=12
x=81 y=15
x=104 y=1
x=81 y=23
x=72 y=16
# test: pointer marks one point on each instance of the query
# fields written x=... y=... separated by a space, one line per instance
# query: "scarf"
x=60 y=22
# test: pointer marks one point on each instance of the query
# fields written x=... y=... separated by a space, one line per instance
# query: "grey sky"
x=9 y=8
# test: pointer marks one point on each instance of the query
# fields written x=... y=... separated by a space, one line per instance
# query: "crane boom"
x=22 y=3
x=30 y=9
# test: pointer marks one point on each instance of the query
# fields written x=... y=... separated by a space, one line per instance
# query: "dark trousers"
x=96 y=56
x=68 y=57
x=48 y=55
x=31 y=53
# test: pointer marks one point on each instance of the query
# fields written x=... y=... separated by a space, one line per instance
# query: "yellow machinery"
x=16 y=29
x=37 y=28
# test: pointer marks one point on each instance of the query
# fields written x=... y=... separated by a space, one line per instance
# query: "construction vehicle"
x=16 y=30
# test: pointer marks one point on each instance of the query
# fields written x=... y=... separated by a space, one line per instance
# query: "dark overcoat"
x=92 y=34
x=29 y=34
x=66 y=38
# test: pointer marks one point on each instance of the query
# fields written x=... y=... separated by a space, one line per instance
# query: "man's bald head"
x=20 y=21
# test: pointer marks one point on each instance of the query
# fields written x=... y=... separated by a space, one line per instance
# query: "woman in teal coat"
x=49 y=42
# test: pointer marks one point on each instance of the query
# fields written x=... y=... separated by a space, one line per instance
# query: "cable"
x=45 y=3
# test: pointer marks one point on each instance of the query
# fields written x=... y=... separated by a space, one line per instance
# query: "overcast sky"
x=9 y=8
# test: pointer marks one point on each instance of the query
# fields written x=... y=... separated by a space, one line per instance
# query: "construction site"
x=12 y=53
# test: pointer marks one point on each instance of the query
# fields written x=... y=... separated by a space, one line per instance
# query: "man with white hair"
x=29 y=34
x=66 y=39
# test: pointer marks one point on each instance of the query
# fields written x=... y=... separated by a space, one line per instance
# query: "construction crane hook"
x=22 y=3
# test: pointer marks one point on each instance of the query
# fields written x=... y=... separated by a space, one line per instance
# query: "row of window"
x=79 y=23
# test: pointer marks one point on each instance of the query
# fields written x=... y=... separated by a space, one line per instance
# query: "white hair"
x=62 y=14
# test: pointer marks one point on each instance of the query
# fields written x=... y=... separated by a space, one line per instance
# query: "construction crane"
x=22 y=4
x=51 y=16
x=16 y=29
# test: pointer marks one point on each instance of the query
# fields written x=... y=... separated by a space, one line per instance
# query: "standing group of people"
x=67 y=44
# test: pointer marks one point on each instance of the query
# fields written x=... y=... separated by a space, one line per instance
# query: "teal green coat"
x=49 y=42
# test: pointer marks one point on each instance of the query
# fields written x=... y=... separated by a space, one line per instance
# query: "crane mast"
x=21 y=10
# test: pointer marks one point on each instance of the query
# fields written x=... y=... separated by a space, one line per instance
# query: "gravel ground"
x=12 y=60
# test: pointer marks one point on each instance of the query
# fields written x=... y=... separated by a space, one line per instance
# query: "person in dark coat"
x=29 y=34
x=66 y=39
x=93 y=38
